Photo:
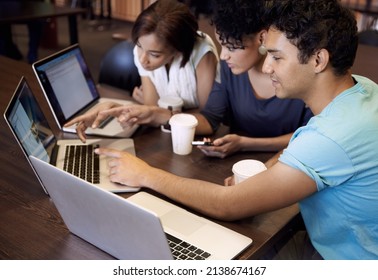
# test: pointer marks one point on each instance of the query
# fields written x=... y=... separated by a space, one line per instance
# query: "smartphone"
x=202 y=143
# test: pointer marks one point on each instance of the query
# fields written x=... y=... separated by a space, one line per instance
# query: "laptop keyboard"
x=182 y=250
x=83 y=162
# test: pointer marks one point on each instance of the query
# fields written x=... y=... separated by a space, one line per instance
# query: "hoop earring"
x=263 y=50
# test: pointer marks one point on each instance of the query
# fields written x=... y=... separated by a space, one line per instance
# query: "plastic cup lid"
x=248 y=167
x=182 y=119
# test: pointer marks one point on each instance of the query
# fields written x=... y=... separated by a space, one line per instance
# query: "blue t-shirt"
x=338 y=149
x=234 y=103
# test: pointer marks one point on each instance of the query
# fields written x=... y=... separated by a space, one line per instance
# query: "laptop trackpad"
x=179 y=222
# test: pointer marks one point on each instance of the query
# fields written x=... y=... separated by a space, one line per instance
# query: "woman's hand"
x=92 y=118
x=138 y=94
x=129 y=115
x=222 y=147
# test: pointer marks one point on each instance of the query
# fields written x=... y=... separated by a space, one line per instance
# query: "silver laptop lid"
x=29 y=126
x=67 y=83
x=108 y=221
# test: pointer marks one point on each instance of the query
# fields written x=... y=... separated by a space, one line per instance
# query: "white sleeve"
x=203 y=46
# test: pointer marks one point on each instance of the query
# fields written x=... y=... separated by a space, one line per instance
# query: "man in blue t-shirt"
x=330 y=166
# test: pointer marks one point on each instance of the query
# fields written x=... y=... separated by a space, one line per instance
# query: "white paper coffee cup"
x=183 y=128
x=173 y=103
x=246 y=168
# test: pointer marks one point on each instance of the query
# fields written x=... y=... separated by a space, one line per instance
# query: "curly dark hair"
x=238 y=18
x=172 y=22
x=312 y=25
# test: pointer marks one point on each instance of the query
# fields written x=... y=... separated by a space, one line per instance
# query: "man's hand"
x=124 y=168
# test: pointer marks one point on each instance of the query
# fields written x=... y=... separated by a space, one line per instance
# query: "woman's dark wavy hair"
x=172 y=22
x=312 y=25
x=234 y=19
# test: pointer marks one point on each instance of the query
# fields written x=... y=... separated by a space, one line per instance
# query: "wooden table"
x=30 y=226
x=23 y=11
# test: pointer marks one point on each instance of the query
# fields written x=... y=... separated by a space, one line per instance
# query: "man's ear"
x=262 y=35
x=321 y=59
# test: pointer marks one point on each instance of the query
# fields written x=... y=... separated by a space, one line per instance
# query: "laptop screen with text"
x=66 y=80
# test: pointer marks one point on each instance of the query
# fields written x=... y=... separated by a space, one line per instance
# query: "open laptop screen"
x=67 y=83
x=28 y=124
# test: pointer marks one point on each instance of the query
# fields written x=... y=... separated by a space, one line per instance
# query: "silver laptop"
x=70 y=91
x=140 y=227
x=35 y=137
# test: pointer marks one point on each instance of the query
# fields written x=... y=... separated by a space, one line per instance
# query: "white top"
x=181 y=81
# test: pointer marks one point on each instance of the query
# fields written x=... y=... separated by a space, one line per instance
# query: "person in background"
x=172 y=56
x=244 y=99
x=330 y=165
x=35 y=32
